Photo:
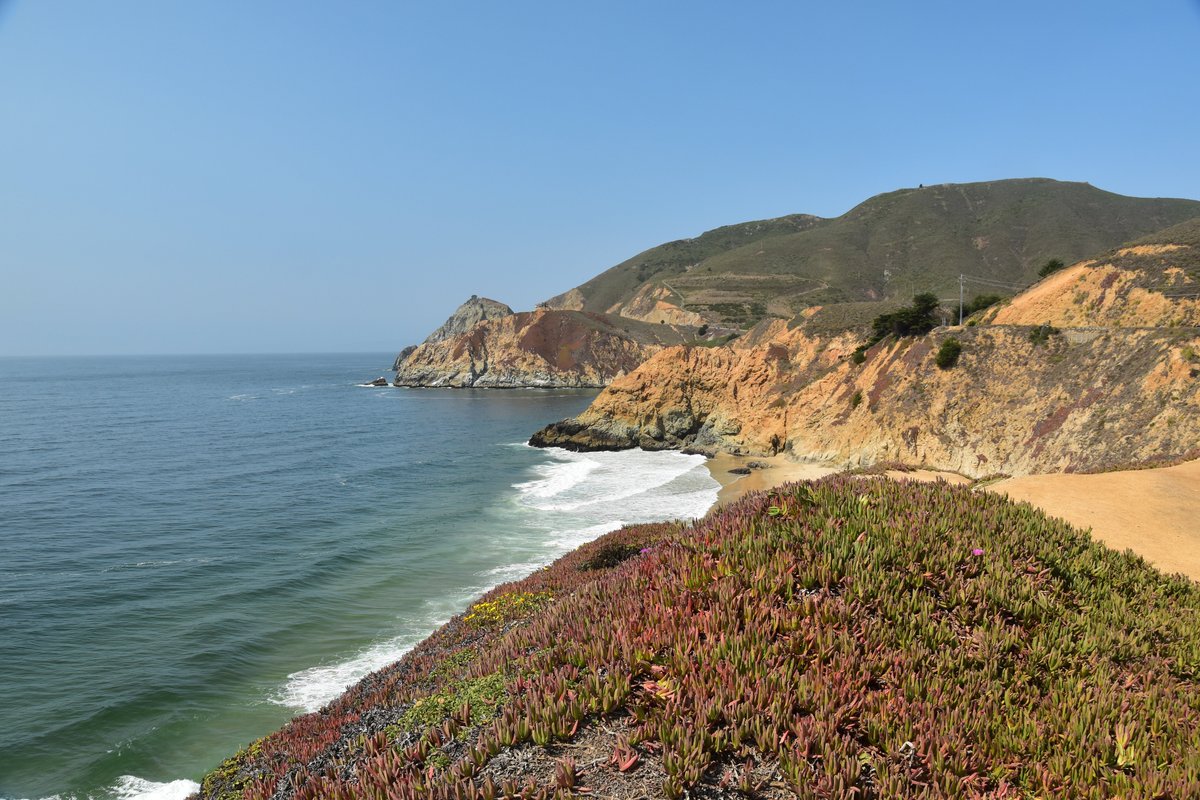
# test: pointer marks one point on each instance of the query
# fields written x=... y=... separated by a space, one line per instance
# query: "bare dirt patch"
x=1153 y=512
x=1150 y=249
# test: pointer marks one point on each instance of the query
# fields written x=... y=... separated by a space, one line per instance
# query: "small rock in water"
x=380 y=382
x=740 y=471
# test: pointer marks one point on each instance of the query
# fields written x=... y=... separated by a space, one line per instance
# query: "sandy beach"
x=777 y=470
x=1153 y=512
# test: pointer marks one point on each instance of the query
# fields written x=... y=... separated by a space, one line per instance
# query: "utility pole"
x=960 y=299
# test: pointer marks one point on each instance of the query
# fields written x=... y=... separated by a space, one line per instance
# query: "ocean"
x=195 y=549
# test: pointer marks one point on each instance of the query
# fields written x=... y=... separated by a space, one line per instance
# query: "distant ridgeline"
x=713 y=288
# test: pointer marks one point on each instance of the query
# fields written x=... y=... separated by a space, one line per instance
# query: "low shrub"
x=1042 y=333
x=947 y=355
x=1050 y=267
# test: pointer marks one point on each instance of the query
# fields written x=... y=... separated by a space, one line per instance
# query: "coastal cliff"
x=541 y=348
x=1009 y=406
x=1119 y=386
x=729 y=279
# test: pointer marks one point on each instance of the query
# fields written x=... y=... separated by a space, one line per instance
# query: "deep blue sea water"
x=194 y=549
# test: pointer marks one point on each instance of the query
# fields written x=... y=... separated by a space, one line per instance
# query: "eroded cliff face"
x=1150 y=285
x=1010 y=405
x=542 y=348
x=465 y=317
x=656 y=304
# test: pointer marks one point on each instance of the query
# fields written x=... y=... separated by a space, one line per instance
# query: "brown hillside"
x=1155 y=282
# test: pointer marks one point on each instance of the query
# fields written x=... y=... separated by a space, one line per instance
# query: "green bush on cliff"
x=1041 y=334
x=980 y=302
x=914 y=320
x=948 y=353
x=1050 y=267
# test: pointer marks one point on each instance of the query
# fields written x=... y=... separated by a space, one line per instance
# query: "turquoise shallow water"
x=194 y=549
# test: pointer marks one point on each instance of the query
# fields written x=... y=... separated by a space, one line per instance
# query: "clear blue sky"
x=232 y=176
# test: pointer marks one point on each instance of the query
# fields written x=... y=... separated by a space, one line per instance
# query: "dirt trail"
x=1154 y=512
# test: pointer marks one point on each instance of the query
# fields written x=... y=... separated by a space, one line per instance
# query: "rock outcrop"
x=541 y=348
x=657 y=304
x=403 y=356
x=465 y=317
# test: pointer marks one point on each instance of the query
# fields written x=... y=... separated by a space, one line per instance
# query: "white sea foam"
x=130 y=787
x=309 y=689
x=576 y=498
x=559 y=477
x=578 y=480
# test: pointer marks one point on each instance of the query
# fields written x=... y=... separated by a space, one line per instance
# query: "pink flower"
x=976 y=552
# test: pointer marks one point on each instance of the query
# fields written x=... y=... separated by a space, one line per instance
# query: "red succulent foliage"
x=853 y=637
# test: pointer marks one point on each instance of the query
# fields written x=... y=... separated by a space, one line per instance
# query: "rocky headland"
x=540 y=348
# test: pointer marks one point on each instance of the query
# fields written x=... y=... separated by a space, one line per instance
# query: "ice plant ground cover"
x=852 y=637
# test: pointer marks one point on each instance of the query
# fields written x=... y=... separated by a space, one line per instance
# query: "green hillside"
x=891 y=246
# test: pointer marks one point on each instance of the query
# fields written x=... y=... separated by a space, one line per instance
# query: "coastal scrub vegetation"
x=913 y=320
x=1050 y=267
x=948 y=353
x=979 y=303
x=849 y=637
x=1040 y=335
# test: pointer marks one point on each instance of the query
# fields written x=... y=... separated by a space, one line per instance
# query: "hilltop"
x=887 y=248
x=838 y=273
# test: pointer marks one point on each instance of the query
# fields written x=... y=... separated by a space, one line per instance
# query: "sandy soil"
x=927 y=475
x=779 y=470
x=1154 y=512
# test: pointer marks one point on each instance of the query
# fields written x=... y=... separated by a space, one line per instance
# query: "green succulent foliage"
x=851 y=637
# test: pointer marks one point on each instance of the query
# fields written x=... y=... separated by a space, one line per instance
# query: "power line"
x=990 y=283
